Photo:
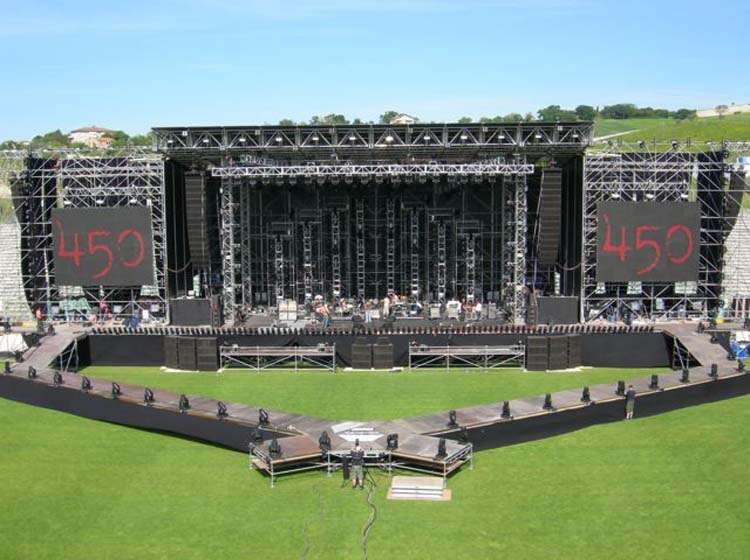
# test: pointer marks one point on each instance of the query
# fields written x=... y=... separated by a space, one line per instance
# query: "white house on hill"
x=403 y=118
x=91 y=136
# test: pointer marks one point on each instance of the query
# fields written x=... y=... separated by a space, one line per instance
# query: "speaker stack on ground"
x=382 y=353
x=196 y=220
x=574 y=350
x=361 y=354
x=537 y=353
x=550 y=204
x=191 y=353
x=558 y=352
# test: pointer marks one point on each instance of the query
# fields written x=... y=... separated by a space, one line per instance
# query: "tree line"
x=58 y=139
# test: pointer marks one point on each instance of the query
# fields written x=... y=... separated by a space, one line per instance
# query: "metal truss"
x=359 y=224
x=375 y=170
x=360 y=138
x=666 y=176
x=228 y=249
x=390 y=246
x=519 y=249
x=88 y=179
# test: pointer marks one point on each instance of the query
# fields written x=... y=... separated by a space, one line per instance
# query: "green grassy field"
x=672 y=486
x=729 y=127
x=365 y=395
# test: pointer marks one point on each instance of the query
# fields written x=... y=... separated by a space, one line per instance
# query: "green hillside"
x=730 y=127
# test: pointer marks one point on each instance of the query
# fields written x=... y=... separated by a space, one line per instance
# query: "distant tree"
x=334 y=119
x=721 y=110
x=512 y=117
x=585 y=112
x=357 y=121
x=286 y=122
x=388 y=116
x=683 y=114
x=11 y=145
x=465 y=120
x=54 y=139
x=553 y=113
x=528 y=117
x=619 y=111
x=119 y=138
x=142 y=139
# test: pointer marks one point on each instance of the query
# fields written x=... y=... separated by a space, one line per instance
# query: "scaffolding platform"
x=486 y=357
x=265 y=357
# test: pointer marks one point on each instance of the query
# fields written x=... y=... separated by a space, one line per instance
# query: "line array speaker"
x=550 y=204
x=537 y=353
x=196 y=220
x=361 y=354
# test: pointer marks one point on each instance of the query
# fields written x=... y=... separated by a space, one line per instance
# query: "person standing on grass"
x=629 y=403
x=358 y=461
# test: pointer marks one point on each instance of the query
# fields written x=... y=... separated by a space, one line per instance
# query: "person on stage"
x=358 y=462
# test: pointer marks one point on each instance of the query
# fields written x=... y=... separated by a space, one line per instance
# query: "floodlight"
x=31 y=373
x=148 y=396
x=452 y=419
x=506 y=409
x=620 y=388
x=7 y=366
x=85 y=384
x=221 y=410
x=274 y=448
x=262 y=416
x=654 y=382
x=57 y=378
x=548 y=401
x=116 y=391
x=184 y=404
x=714 y=373
x=324 y=442
x=392 y=441
x=441 y=448
x=586 y=395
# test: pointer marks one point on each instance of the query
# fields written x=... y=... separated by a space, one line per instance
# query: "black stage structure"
x=249 y=217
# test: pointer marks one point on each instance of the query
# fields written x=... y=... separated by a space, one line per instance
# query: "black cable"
x=306 y=526
x=373 y=511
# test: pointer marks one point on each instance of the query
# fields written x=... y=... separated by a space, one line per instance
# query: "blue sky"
x=136 y=64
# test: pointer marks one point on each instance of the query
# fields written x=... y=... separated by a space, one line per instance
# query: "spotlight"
x=221 y=410
x=85 y=384
x=740 y=366
x=262 y=417
x=184 y=404
x=324 y=442
x=441 y=448
x=57 y=378
x=148 y=396
x=116 y=391
x=7 y=366
x=714 y=373
x=685 y=375
x=586 y=395
x=620 y=388
x=452 y=419
x=506 y=409
x=654 y=382
x=675 y=144
x=548 y=401
x=392 y=442
x=389 y=138
x=32 y=373
x=274 y=448
x=641 y=144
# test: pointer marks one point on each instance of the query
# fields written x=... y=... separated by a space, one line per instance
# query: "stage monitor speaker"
x=382 y=353
x=574 y=350
x=550 y=204
x=186 y=353
x=196 y=220
x=537 y=353
x=206 y=354
x=171 y=356
x=557 y=310
x=361 y=354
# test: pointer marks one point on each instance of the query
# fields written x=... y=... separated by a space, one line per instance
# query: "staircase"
x=12 y=295
x=737 y=258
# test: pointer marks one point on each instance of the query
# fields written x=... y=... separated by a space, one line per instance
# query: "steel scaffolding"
x=88 y=179
x=664 y=176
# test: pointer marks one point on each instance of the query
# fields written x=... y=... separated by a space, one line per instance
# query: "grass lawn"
x=365 y=395
x=605 y=127
x=671 y=486
x=729 y=127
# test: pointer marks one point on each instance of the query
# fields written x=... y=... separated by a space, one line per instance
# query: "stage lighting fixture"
x=714 y=373
x=586 y=395
x=506 y=409
x=740 y=366
x=116 y=391
x=262 y=416
x=279 y=139
x=324 y=442
x=392 y=441
x=221 y=410
x=148 y=396
x=654 y=382
x=441 y=448
x=183 y=404
x=548 y=401
x=641 y=144
x=7 y=366
x=31 y=373
x=731 y=355
x=57 y=378
x=675 y=144
x=85 y=383
x=685 y=375
x=389 y=138
x=620 y=388
x=452 y=419
x=274 y=448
